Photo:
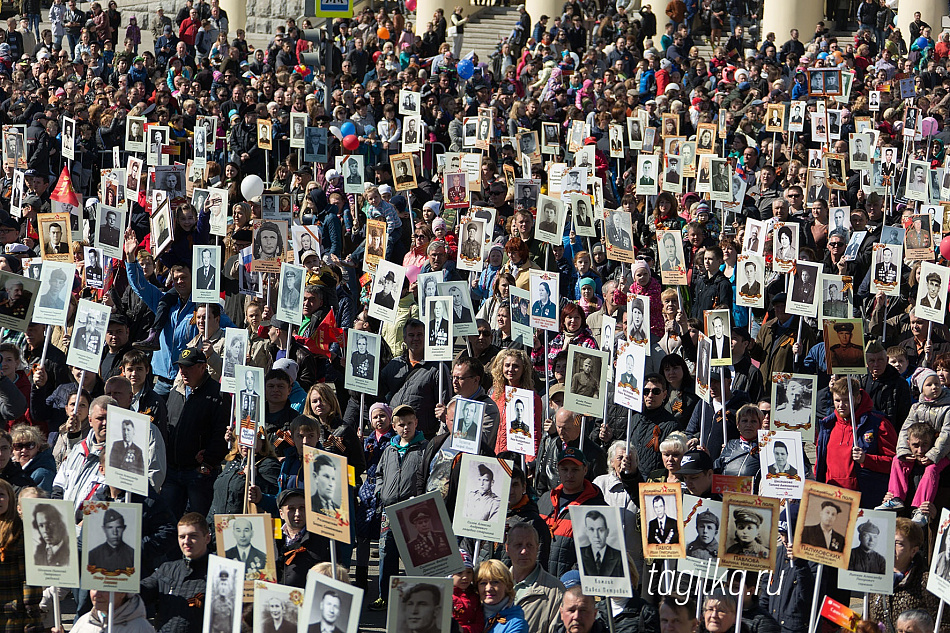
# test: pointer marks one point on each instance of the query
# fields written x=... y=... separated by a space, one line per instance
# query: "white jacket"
x=129 y=617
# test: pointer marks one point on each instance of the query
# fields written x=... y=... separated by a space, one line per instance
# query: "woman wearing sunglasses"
x=34 y=455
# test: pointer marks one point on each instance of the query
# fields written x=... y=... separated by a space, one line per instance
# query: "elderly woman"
x=740 y=457
x=719 y=614
x=34 y=455
x=672 y=450
x=496 y=590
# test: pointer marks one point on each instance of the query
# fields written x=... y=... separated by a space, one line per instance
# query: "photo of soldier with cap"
x=706 y=544
x=429 y=544
x=747 y=534
x=863 y=557
x=114 y=556
x=844 y=353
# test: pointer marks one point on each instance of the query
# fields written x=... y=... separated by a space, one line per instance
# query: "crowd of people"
x=781 y=186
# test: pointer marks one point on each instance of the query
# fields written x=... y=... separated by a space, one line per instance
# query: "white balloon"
x=252 y=186
x=335 y=131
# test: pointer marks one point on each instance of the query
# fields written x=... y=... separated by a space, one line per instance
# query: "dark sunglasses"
x=652 y=391
x=19 y=446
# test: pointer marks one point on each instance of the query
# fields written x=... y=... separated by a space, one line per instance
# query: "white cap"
x=289 y=366
x=670 y=87
x=384 y=189
x=332 y=174
x=434 y=206
x=307 y=254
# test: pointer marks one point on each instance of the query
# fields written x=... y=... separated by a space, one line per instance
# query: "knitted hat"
x=381 y=406
x=921 y=375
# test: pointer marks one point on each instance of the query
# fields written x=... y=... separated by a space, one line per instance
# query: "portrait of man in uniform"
x=706 y=544
x=864 y=558
x=115 y=556
x=662 y=528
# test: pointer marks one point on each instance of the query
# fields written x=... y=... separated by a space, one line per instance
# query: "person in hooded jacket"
x=862 y=465
x=574 y=490
x=128 y=615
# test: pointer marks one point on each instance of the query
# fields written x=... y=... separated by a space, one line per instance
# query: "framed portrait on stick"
x=783 y=464
x=112 y=539
x=701 y=534
x=519 y=421
x=222 y=601
x=419 y=604
x=327 y=495
x=793 y=404
x=423 y=532
x=871 y=564
x=276 y=607
x=127 y=441
x=938 y=582
x=843 y=355
x=248 y=538
x=587 y=380
x=482 y=500
x=467 y=425
x=661 y=520
x=330 y=605
x=932 y=292
x=826 y=520
x=749 y=531
x=362 y=361
x=49 y=536
x=601 y=551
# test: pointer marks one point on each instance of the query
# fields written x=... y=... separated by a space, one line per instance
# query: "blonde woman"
x=496 y=591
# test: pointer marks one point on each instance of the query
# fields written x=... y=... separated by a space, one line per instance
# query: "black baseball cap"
x=695 y=462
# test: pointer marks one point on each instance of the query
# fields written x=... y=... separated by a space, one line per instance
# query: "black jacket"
x=229 y=492
x=293 y=562
x=644 y=427
x=891 y=395
x=171 y=589
x=710 y=293
x=545 y=466
x=793 y=582
x=197 y=423
x=37 y=148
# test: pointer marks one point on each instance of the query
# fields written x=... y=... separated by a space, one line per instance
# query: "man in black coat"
x=175 y=585
x=887 y=388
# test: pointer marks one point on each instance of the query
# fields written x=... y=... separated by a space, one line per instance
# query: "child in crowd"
x=466 y=610
x=897 y=358
x=924 y=439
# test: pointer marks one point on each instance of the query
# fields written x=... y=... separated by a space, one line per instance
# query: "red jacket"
x=189 y=31
x=467 y=611
x=840 y=469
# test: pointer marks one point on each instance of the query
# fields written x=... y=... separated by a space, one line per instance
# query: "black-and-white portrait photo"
x=276 y=607
x=249 y=383
x=793 y=407
x=466 y=426
x=661 y=521
x=89 y=333
x=111 y=537
x=298 y=127
x=330 y=606
x=315 y=145
x=600 y=546
x=110 y=230
x=223 y=596
x=290 y=294
x=419 y=605
x=245 y=538
x=439 y=333
x=206 y=281
x=235 y=353
x=387 y=290
x=362 y=362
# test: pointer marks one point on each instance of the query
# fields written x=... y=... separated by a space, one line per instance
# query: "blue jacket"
x=179 y=329
x=510 y=620
x=42 y=470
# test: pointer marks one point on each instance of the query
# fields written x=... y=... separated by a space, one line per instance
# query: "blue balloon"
x=348 y=128
x=465 y=69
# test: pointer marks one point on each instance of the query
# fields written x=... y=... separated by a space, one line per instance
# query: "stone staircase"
x=487 y=27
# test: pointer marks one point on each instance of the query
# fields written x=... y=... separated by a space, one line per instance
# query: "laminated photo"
x=482 y=502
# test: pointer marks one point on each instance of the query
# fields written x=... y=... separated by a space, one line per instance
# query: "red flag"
x=327 y=334
x=64 y=191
